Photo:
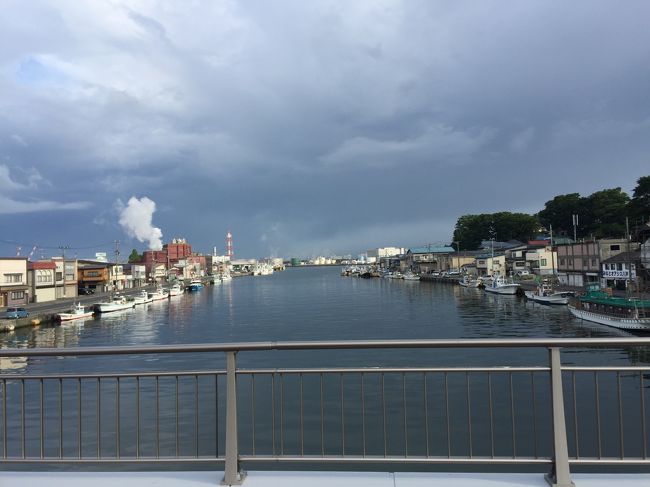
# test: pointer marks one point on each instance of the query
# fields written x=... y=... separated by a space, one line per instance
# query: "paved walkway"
x=310 y=479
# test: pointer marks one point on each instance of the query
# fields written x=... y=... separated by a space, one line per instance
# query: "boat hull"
x=552 y=299
x=74 y=316
x=110 y=307
x=639 y=324
x=508 y=289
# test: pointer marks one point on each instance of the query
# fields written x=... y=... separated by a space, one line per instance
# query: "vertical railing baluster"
x=79 y=436
x=4 y=418
x=176 y=418
x=560 y=475
x=322 y=418
x=22 y=415
x=117 y=418
x=534 y=400
x=60 y=417
x=216 y=415
x=253 y=411
x=232 y=473
x=597 y=393
x=196 y=416
x=512 y=417
x=157 y=407
x=98 y=412
x=643 y=424
x=446 y=382
x=281 y=413
x=137 y=416
x=491 y=413
x=575 y=414
x=469 y=415
x=406 y=434
x=363 y=415
x=426 y=413
x=273 y=413
x=302 y=419
x=42 y=419
x=383 y=407
x=342 y=416
x=620 y=414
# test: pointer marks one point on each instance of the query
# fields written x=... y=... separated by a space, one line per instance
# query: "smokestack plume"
x=135 y=219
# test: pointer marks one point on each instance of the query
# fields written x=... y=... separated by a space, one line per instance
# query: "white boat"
x=157 y=295
x=118 y=303
x=226 y=277
x=142 y=298
x=544 y=294
x=195 y=284
x=78 y=312
x=467 y=281
x=499 y=285
x=410 y=276
x=175 y=290
x=623 y=313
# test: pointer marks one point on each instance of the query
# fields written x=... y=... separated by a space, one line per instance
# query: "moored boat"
x=142 y=298
x=410 y=276
x=468 y=281
x=157 y=295
x=623 y=313
x=175 y=290
x=545 y=294
x=195 y=284
x=78 y=312
x=117 y=303
x=500 y=285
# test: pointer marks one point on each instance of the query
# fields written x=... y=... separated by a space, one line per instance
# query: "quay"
x=243 y=419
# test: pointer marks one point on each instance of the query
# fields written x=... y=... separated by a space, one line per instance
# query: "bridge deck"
x=311 y=479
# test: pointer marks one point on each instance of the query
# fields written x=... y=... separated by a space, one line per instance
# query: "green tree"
x=558 y=213
x=470 y=230
x=135 y=257
x=639 y=207
x=606 y=211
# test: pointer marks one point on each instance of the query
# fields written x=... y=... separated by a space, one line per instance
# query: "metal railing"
x=497 y=414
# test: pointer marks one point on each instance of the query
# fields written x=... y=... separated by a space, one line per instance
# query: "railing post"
x=560 y=475
x=232 y=474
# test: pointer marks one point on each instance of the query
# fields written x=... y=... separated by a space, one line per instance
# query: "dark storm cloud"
x=307 y=127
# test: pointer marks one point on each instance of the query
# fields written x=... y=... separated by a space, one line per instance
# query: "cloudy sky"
x=310 y=127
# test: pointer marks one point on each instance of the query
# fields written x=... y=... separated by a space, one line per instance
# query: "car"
x=523 y=273
x=14 y=313
x=86 y=291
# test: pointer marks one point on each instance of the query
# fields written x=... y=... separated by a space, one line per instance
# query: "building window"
x=18 y=295
x=543 y=262
x=92 y=274
x=614 y=247
x=594 y=262
x=562 y=261
x=13 y=278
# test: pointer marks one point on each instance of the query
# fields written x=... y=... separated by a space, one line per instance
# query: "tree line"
x=599 y=215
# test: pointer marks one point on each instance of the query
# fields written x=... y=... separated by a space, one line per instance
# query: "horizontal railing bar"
x=394 y=459
x=609 y=461
x=380 y=370
x=57 y=460
x=328 y=345
x=623 y=368
x=126 y=375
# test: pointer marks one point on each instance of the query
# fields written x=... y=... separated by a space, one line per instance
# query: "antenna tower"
x=229 y=251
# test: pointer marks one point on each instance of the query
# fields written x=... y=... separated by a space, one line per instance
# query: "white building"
x=378 y=253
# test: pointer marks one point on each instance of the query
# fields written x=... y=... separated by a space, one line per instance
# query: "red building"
x=177 y=250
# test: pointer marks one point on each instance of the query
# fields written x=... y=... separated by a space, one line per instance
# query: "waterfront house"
x=14 y=290
x=135 y=275
x=41 y=281
x=620 y=272
x=578 y=264
x=516 y=259
x=66 y=283
x=489 y=265
x=94 y=275
x=542 y=261
x=427 y=259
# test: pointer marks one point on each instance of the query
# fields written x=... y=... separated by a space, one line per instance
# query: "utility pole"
x=117 y=260
x=63 y=249
x=575 y=226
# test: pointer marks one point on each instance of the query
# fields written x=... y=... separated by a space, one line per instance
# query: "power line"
x=55 y=247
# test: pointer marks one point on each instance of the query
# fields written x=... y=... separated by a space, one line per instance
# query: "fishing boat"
x=195 y=285
x=157 y=295
x=142 y=298
x=77 y=313
x=500 y=285
x=468 y=281
x=623 y=313
x=410 y=276
x=175 y=290
x=545 y=294
x=117 y=303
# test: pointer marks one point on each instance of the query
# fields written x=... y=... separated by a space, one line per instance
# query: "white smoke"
x=136 y=218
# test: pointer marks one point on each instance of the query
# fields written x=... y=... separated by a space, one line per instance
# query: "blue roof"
x=431 y=250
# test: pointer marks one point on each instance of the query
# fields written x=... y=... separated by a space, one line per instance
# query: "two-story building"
x=135 y=275
x=490 y=265
x=66 y=277
x=41 y=281
x=94 y=275
x=427 y=259
x=578 y=264
x=542 y=261
x=14 y=290
x=620 y=272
